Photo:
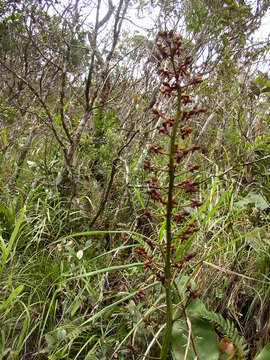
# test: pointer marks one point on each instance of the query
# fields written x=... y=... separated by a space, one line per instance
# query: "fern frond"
x=75 y=333
x=228 y=328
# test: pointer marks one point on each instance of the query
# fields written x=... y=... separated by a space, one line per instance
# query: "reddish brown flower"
x=179 y=217
x=194 y=167
x=180 y=155
x=191 y=228
x=151 y=243
x=196 y=203
x=147 y=165
x=195 y=147
x=147 y=264
x=154 y=195
x=164 y=128
x=165 y=202
x=124 y=237
x=186 y=99
x=161 y=278
x=140 y=294
x=184 y=132
x=196 y=80
x=189 y=186
x=156 y=112
x=157 y=149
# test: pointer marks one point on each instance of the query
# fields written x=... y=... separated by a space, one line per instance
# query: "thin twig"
x=113 y=172
x=187 y=320
x=189 y=337
x=153 y=341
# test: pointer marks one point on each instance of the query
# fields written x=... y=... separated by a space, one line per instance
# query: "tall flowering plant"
x=177 y=84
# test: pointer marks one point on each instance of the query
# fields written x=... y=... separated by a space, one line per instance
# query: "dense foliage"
x=134 y=152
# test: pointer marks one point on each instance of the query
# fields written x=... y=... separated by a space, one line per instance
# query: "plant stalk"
x=167 y=268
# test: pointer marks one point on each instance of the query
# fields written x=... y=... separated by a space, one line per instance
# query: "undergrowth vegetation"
x=135 y=202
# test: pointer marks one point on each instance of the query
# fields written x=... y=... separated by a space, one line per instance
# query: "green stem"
x=167 y=269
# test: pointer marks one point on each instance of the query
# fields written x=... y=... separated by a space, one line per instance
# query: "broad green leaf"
x=61 y=334
x=256 y=199
x=139 y=197
x=204 y=337
x=202 y=331
x=264 y=354
x=22 y=335
x=181 y=283
x=57 y=119
x=50 y=339
x=75 y=306
x=3 y=249
x=266 y=89
x=15 y=293
x=14 y=233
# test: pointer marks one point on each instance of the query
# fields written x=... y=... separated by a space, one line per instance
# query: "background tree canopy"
x=86 y=121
